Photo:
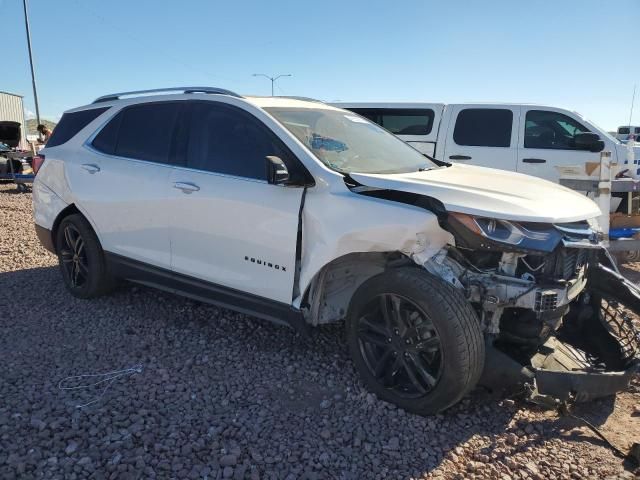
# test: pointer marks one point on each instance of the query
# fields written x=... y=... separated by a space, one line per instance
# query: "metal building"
x=12 y=109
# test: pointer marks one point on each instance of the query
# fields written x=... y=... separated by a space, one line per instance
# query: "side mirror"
x=588 y=141
x=277 y=172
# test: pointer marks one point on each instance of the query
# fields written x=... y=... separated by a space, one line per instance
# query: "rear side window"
x=623 y=131
x=483 y=127
x=142 y=132
x=400 y=121
x=72 y=123
x=229 y=141
x=636 y=130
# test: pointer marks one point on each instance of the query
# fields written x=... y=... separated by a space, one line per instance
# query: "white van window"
x=545 y=129
x=623 y=130
x=400 y=121
x=483 y=127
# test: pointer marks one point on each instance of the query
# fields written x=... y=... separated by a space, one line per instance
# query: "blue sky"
x=571 y=53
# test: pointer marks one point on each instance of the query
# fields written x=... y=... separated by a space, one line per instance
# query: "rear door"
x=229 y=226
x=484 y=135
x=121 y=181
x=545 y=149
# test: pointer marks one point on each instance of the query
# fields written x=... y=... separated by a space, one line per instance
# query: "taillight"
x=37 y=162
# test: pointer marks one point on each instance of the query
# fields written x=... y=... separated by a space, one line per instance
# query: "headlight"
x=521 y=236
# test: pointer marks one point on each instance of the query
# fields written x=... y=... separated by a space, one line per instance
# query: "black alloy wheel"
x=81 y=258
x=400 y=345
x=415 y=340
x=74 y=257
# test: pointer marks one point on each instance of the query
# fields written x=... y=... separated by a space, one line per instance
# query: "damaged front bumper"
x=562 y=372
x=593 y=354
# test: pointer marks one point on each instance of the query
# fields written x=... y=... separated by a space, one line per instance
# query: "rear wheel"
x=415 y=340
x=81 y=258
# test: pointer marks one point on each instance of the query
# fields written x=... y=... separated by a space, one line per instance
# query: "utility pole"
x=633 y=98
x=273 y=79
x=33 y=73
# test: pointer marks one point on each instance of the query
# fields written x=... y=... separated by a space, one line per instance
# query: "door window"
x=483 y=127
x=400 y=121
x=227 y=140
x=545 y=129
x=142 y=132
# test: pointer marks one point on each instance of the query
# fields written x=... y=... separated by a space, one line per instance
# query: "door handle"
x=91 y=167
x=186 y=187
x=459 y=157
x=534 y=160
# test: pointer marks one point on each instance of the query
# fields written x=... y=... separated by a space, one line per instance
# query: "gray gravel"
x=223 y=395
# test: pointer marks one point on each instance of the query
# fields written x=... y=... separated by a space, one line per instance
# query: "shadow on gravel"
x=218 y=389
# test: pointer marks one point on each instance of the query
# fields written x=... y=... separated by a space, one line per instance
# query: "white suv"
x=302 y=213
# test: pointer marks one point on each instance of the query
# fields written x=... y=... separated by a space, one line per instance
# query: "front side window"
x=554 y=130
x=71 y=123
x=483 y=127
x=348 y=143
x=400 y=121
x=226 y=140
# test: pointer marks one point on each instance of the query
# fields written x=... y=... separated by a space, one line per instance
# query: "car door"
x=486 y=136
x=121 y=182
x=545 y=148
x=229 y=227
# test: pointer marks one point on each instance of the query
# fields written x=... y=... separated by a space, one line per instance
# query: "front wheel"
x=415 y=340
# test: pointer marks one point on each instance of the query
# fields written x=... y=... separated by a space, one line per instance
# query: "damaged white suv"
x=304 y=214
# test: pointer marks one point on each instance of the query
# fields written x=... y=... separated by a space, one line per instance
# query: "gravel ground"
x=223 y=395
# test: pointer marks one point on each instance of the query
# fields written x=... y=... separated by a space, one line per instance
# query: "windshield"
x=347 y=142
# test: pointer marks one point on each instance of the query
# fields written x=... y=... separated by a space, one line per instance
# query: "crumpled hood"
x=490 y=193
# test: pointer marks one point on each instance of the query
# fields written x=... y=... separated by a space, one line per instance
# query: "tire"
x=84 y=270
x=436 y=346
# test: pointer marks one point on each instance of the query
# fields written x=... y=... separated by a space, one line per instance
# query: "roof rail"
x=211 y=90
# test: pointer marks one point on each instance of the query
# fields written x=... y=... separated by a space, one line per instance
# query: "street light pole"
x=33 y=73
x=273 y=79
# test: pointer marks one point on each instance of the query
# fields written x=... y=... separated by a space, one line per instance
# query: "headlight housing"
x=494 y=234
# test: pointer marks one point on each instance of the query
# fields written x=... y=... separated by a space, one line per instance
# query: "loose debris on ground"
x=223 y=395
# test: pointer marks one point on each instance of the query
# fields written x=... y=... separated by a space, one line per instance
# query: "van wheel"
x=415 y=340
x=81 y=258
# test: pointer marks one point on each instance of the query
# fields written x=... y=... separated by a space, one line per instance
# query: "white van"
x=623 y=133
x=532 y=139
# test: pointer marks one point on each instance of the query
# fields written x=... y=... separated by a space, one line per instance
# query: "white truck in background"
x=625 y=132
x=542 y=141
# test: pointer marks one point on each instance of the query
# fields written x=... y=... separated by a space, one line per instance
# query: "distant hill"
x=32 y=125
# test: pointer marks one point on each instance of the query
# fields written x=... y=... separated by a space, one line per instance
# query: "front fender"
x=337 y=224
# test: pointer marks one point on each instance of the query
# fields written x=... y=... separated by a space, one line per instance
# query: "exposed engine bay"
x=554 y=316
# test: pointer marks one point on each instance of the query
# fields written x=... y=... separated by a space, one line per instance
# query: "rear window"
x=143 y=132
x=483 y=127
x=400 y=121
x=71 y=123
x=623 y=131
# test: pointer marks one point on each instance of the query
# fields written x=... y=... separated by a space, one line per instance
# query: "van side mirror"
x=588 y=141
x=277 y=172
